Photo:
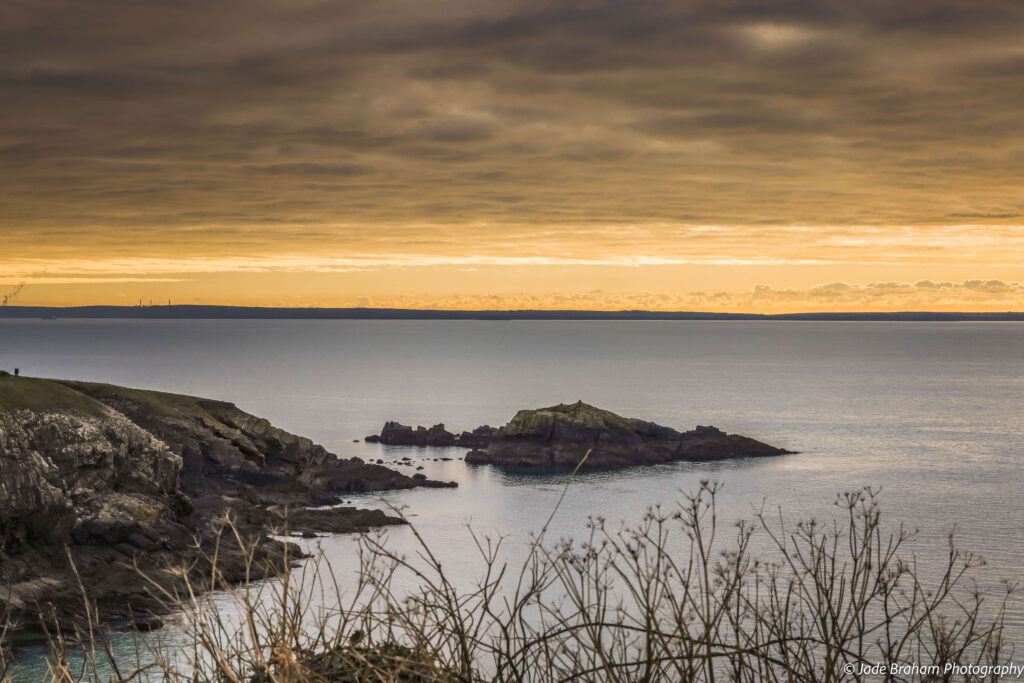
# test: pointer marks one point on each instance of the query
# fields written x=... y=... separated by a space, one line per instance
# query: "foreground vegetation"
x=677 y=597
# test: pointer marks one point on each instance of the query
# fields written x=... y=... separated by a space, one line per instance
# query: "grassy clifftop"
x=43 y=395
x=89 y=398
x=155 y=404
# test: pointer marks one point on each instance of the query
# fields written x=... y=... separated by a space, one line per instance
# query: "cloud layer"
x=474 y=131
x=926 y=295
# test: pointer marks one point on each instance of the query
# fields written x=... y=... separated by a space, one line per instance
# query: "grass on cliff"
x=43 y=395
x=88 y=398
x=677 y=596
x=153 y=402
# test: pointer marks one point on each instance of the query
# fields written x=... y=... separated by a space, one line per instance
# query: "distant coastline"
x=269 y=313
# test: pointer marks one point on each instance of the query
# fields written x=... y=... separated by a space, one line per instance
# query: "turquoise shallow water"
x=928 y=412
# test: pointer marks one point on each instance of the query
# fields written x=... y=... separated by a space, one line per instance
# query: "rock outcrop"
x=225 y=450
x=560 y=436
x=398 y=434
x=96 y=480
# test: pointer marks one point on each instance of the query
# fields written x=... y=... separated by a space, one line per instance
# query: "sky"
x=728 y=155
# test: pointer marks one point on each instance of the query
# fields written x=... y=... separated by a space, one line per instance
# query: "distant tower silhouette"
x=17 y=371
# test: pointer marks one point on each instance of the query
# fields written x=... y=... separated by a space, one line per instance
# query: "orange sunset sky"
x=736 y=155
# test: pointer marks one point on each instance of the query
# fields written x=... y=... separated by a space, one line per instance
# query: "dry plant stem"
x=667 y=599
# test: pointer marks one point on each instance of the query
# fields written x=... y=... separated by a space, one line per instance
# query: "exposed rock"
x=397 y=434
x=147 y=623
x=95 y=479
x=336 y=520
x=224 y=448
x=478 y=438
x=560 y=436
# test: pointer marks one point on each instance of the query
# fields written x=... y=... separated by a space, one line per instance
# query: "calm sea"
x=931 y=413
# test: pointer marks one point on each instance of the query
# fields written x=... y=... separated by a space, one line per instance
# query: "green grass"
x=155 y=402
x=55 y=395
x=43 y=395
x=149 y=408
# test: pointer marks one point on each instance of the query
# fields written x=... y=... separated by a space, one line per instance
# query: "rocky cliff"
x=226 y=450
x=96 y=479
x=560 y=436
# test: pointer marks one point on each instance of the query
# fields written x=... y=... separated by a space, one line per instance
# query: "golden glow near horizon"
x=721 y=156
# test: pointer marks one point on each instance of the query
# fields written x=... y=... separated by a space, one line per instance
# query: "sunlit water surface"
x=930 y=413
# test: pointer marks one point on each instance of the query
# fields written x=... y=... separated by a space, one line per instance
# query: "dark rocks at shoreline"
x=478 y=438
x=397 y=434
x=560 y=436
x=309 y=522
x=107 y=483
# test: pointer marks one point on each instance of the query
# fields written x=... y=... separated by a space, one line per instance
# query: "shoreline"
x=127 y=496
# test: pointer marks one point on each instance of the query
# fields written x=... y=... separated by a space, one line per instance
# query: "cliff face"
x=560 y=436
x=225 y=450
x=108 y=478
x=62 y=470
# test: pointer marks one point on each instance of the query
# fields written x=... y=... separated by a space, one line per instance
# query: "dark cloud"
x=307 y=169
x=984 y=215
x=456 y=71
x=753 y=114
x=456 y=130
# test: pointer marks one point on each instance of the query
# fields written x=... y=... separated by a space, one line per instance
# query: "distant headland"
x=169 y=312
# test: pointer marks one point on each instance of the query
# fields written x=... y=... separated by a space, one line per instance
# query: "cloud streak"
x=322 y=134
x=835 y=296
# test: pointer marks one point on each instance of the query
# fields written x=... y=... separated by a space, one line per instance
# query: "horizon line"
x=222 y=311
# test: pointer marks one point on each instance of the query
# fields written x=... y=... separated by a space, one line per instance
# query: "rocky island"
x=560 y=436
x=398 y=434
x=108 y=483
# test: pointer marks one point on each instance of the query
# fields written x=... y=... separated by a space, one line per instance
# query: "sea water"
x=929 y=413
